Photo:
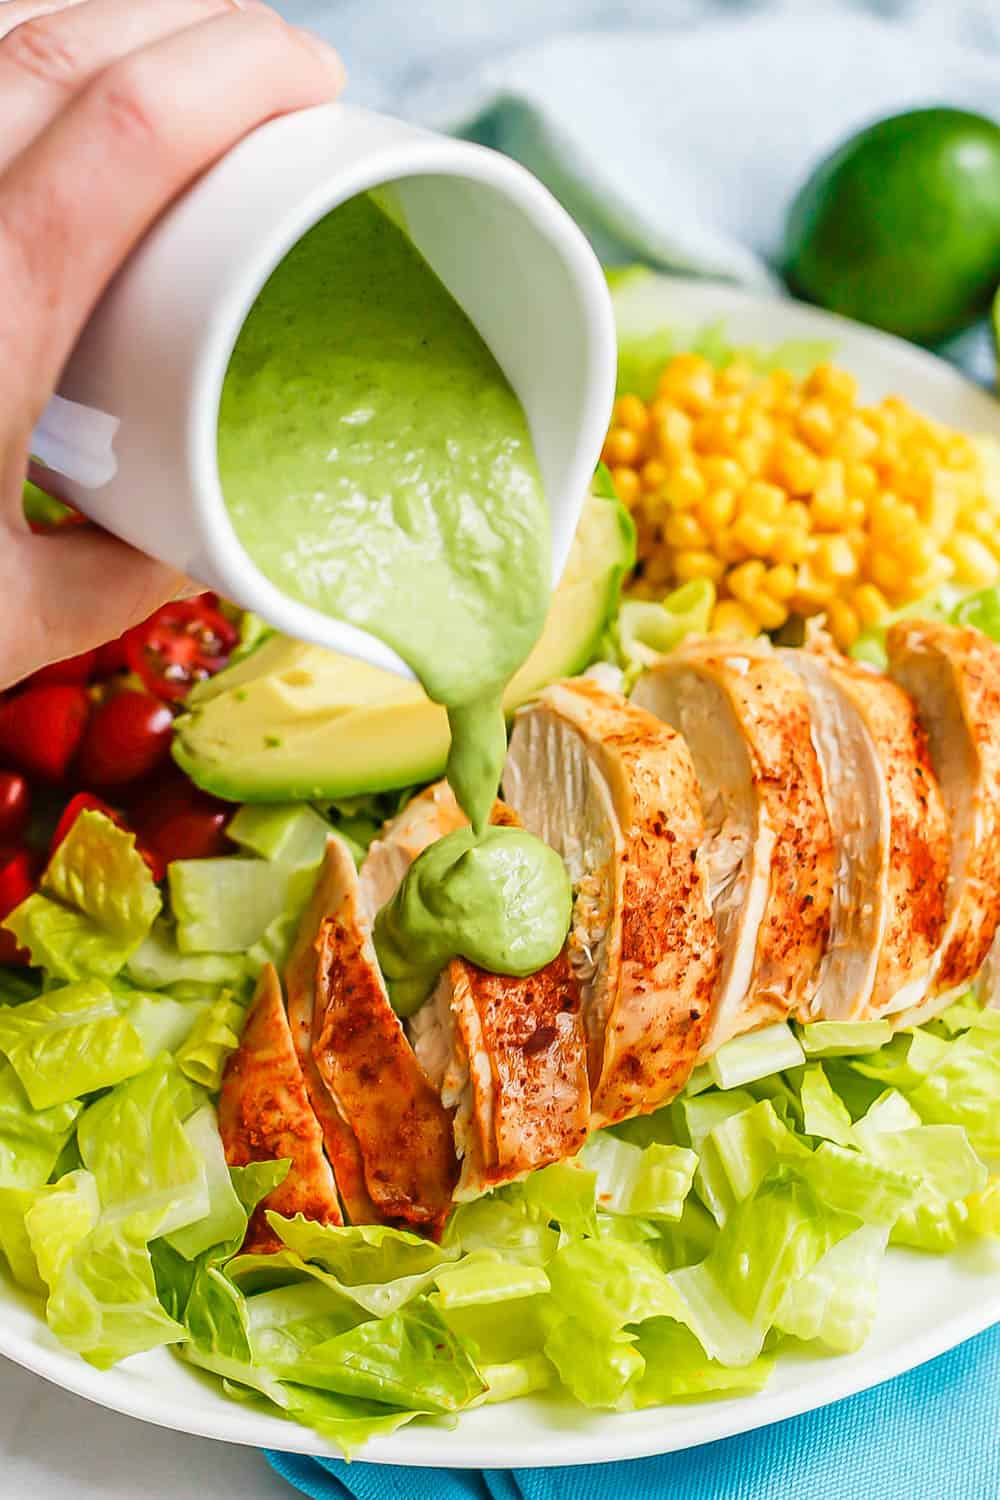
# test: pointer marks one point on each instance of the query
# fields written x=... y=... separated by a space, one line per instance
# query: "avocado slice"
x=294 y=721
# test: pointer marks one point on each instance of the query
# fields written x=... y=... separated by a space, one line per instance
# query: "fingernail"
x=329 y=54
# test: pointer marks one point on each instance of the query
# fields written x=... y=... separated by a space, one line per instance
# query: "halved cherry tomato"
x=179 y=646
x=41 y=727
x=74 y=669
x=17 y=881
x=15 y=806
x=128 y=736
x=184 y=823
x=82 y=802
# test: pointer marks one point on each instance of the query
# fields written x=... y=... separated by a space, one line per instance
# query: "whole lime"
x=900 y=226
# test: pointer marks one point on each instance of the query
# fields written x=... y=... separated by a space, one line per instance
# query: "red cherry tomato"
x=111 y=657
x=182 y=644
x=73 y=669
x=82 y=802
x=41 y=728
x=184 y=823
x=17 y=881
x=128 y=736
x=15 y=806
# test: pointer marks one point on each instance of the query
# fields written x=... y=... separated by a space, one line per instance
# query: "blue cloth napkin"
x=933 y=1434
x=675 y=131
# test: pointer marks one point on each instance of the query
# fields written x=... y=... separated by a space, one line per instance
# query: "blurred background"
x=680 y=132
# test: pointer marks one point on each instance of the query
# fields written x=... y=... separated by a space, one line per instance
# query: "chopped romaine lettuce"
x=292 y=833
x=95 y=904
x=70 y=1041
x=30 y=1139
x=226 y=905
x=214 y=1035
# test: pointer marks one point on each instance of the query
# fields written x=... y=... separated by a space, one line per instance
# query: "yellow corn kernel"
x=885 y=569
x=834 y=384
x=621 y=446
x=722 y=473
x=745 y=581
x=672 y=427
x=795 y=466
x=631 y=412
x=779 y=581
x=917 y=550
x=833 y=558
x=716 y=510
x=764 y=502
x=860 y=480
x=690 y=381
x=856 y=513
x=855 y=440
x=731 y=618
x=884 y=516
x=796 y=515
x=756 y=536
x=698 y=564
x=811 y=591
x=717 y=432
x=769 y=613
x=816 y=425
x=684 y=487
x=735 y=376
x=974 y=562
x=828 y=508
x=845 y=627
x=870 y=604
x=659 y=569
x=751 y=455
x=857 y=539
x=791 y=544
x=653 y=475
x=682 y=530
x=626 y=483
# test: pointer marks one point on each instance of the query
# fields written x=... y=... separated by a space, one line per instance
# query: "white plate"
x=929 y=1303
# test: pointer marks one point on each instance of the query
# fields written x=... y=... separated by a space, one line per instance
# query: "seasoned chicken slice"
x=953 y=674
x=364 y=1058
x=508 y=1054
x=745 y=717
x=300 y=987
x=890 y=835
x=614 y=792
x=265 y=1115
x=425 y=819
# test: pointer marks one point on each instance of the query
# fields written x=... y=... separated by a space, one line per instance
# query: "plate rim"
x=646 y=1435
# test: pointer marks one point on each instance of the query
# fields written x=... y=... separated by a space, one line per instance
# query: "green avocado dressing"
x=377 y=465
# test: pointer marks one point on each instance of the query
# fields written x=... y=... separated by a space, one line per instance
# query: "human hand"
x=108 y=109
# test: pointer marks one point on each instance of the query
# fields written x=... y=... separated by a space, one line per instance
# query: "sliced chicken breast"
x=364 y=1058
x=953 y=674
x=614 y=792
x=507 y=1054
x=745 y=717
x=890 y=834
x=265 y=1115
x=300 y=987
x=425 y=819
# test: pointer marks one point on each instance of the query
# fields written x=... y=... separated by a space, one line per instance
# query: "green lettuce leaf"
x=59 y=1220
x=292 y=833
x=96 y=902
x=134 y=1142
x=504 y=1222
x=70 y=1041
x=15 y=1245
x=595 y=1366
x=158 y=963
x=676 y=1368
x=651 y=1183
x=836 y=1302
x=565 y=1194
x=104 y=1303
x=225 y=1220
x=606 y=1284
x=30 y=1139
x=477 y=1280
x=214 y=1035
x=227 y=905
x=769 y=1241
x=826 y=1115
x=844 y=1038
x=737 y=1155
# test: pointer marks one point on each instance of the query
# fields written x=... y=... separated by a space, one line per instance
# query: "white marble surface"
x=59 y=1447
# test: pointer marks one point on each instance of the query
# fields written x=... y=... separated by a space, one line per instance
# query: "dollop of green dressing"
x=377 y=465
x=499 y=898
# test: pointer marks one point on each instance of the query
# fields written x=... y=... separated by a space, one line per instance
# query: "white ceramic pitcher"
x=133 y=429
